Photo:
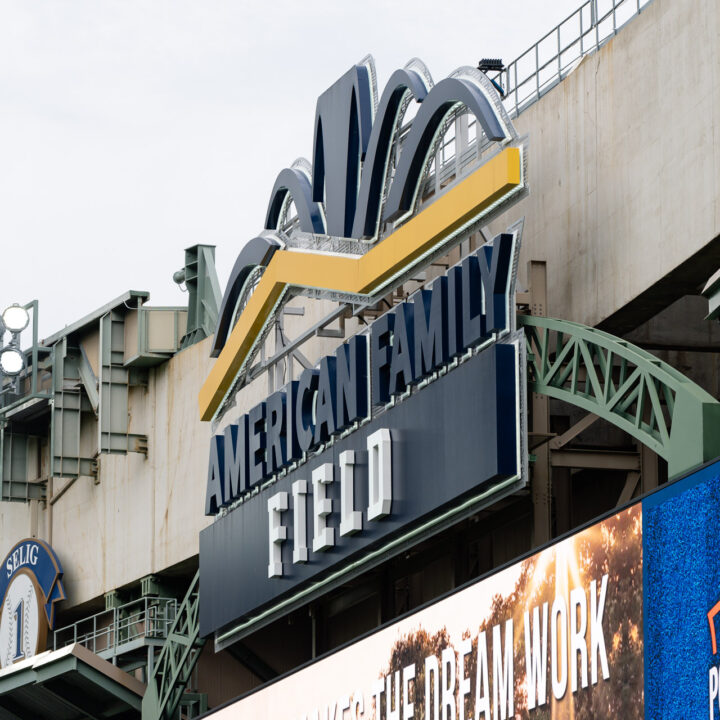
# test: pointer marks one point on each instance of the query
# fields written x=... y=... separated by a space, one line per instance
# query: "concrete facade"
x=142 y=515
x=624 y=168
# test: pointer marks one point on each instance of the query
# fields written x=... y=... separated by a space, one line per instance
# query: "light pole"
x=14 y=320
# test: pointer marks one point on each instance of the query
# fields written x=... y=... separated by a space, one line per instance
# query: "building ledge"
x=68 y=684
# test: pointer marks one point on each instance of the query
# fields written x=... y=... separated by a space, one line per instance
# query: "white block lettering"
x=448 y=684
x=432 y=670
x=503 y=673
x=277 y=504
x=482 y=701
x=713 y=682
x=300 y=549
x=323 y=536
x=597 y=638
x=408 y=707
x=379 y=446
x=464 y=680
x=535 y=658
x=350 y=519
x=578 y=607
x=558 y=615
x=391 y=714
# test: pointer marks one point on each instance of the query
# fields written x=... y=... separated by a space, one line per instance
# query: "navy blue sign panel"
x=453 y=439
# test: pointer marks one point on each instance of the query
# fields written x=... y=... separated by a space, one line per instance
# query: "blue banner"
x=681 y=561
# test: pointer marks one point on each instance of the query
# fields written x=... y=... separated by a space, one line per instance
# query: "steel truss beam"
x=626 y=386
x=176 y=662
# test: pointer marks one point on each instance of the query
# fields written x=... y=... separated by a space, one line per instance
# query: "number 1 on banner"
x=19 y=620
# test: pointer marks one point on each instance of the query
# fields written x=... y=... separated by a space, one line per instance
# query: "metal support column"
x=541 y=479
x=113 y=435
x=176 y=661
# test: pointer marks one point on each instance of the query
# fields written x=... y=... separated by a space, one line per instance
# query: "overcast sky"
x=132 y=129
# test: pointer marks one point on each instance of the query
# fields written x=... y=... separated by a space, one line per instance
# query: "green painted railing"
x=626 y=386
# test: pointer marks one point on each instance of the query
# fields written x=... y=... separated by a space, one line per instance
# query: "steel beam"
x=573 y=432
x=598 y=459
x=113 y=434
x=626 y=386
x=541 y=480
x=176 y=661
x=628 y=490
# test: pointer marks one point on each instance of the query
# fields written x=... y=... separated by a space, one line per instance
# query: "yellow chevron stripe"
x=359 y=275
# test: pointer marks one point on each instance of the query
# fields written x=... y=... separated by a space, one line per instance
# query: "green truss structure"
x=626 y=386
x=177 y=660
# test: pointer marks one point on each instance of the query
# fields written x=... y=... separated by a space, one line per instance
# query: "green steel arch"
x=626 y=386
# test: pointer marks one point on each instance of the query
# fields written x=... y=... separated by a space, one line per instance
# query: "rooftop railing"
x=541 y=67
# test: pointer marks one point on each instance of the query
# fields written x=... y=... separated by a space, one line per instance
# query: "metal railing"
x=527 y=78
x=107 y=633
x=541 y=67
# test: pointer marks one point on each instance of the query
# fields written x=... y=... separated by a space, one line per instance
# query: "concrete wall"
x=624 y=164
x=141 y=515
x=144 y=514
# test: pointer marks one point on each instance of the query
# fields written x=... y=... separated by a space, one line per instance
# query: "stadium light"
x=11 y=361
x=15 y=318
x=491 y=65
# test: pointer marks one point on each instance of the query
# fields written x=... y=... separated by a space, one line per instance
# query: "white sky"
x=131 y=129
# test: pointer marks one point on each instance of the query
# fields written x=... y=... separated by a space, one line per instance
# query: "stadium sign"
x=438 y=433
x=410 y=425
x=407 y=345
x=30 y=585
x=557 y=634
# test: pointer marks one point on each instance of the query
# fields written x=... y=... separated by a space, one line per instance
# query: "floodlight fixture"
x=491 y=65
x=15 y=318
x=11 y=361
